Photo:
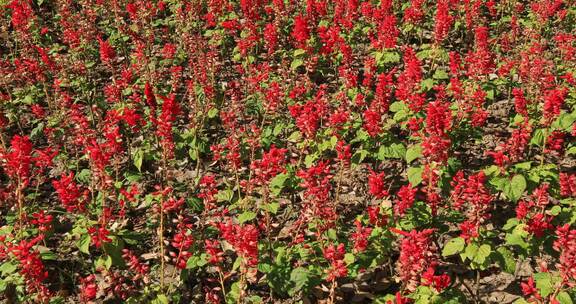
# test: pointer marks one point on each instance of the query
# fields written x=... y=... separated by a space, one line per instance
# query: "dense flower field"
x=285 y=151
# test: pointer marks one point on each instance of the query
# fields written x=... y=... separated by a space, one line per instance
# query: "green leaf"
x=454 y=246
x=38 y=131
x=295 y=136
x=469 y=252
x=246 y=216
x=482 y=253
x=277 y=183
x=440 y=74
x=213 y=112
x=161 y=299
x=390 y=57
x=349 y=258
x=515 y=188
x=196 y=261
x=398 y=106
x=427 y=84
x=224 y=195
x=300 y=277
x=310 y=159
x=234 y=293
x=544 y=283
x=538 y=138
x=8 y=268
x=565 y=121
x=415 y=175
x=516 y=237
x=296 y=63
x=555 y=210
x=506 y=260
x=254 y=299
x=564 y=298
x=413 y=153
x=272 y=207
x=108 y=262
x=84 y=244
x=48 y=256
x=395 y=150
x=298 y=52
x=359 y=156
x=524 y=165
x=138 y=159
x=84 y=176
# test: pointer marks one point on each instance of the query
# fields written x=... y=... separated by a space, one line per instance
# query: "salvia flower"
x=18 y=161
x=376 y=185
x=335 y=255
x=417 y=254
x=69 y=193
x=107 y=52
x=244 y=239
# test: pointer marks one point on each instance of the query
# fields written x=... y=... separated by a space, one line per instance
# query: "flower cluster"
x=533 y=211
x=271 y=164
x=70 y=194
x=244 y=239
x=417 y=255
x=335 y=255
x=472 y=192
x=566 y=245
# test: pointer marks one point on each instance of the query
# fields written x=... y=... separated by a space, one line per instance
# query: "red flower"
x=170 y=111
x=271 y=37
x=406 y=196
x=566 y=245
x=335 y=255
x=567 y=184
x=414 y=13
x=376 y=184
x=553 y=101
x=69 y=193
x=409 y=81
x=520 y=102
x=89 y=288
x=214 y=251
x=387 y=32
x=361 y=236
x=439 y=282
x=133 y=263
x=99 y=236
x=443 y=21
x=168 y=51
x=107 y=52
x=31 y=267
x=182 y=241
x=529 y=288
x=308 y=115
x=300 y=32
x=244 y=239
x=22 y=14
x=18 y=162
x=417 y=254
x=42 y=220
x=375 y=217
x=372 y=122
x=271 y=164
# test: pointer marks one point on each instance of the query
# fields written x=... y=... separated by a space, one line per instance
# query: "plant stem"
x=221 y=277
x=332 y=292
x=161 y=238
